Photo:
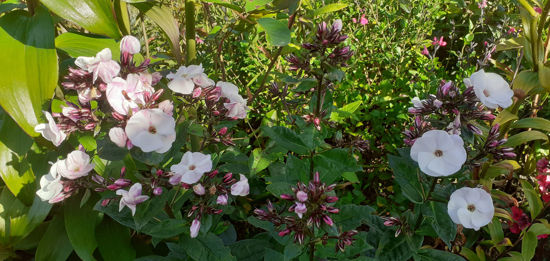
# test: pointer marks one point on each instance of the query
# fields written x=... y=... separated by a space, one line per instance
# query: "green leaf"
x=249 y=249
x=441 y=222
x=113 y=241
x=526 y=81
x=469 y=254
x=345 y=112
x=428 y=254
x=495 y=230
x=540 y=229
x=55 y=244
x=277 y=31
x=286 y=138
x=407 y=177
x=28 y=67
x=535 y=204
x=162 y=16
x=166 y=228
x=15 y=169
x=331 y=164
x=329 y=9
x=95 y=16
x=203 y=248
x=85 y=45
x=524 y=137
x=259 y=161
x=544 y=76
x=252 y=5
x=18 y=220
x=529 y=245
x=534 y=123
x=351 y=216
x=513 y=43
x=505 y=116
x=80 y=224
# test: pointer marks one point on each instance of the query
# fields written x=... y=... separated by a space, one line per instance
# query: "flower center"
x=192 y=167
x=152 y=130
x=486 y=93
x=438 y=153
x=471 y=208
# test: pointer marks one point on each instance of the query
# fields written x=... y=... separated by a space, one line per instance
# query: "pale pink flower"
x=131 y=198
x=101 y=65
x=241 y=188
x=76 y=165
x=222 y=199
x=199 y=189
x=50 y=131
x=301 y=196
x=151 y=130
x=425 y=51
x=191 y=168
x=300 y=209
x=363 y=20
x=51 y=188
x=127 y=95
x=182 y=80
x=167 y=107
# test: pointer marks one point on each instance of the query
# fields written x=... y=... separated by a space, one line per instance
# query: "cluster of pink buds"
x=74 y=118
x=449 y=102
x=111 y=184
x=223 y=136
x=543 y=168
x=414 y=132
x=493 y=143
x=311 y=118
x=312 y=206
x=82 y=82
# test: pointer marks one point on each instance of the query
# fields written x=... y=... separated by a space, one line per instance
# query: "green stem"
x=191 y=52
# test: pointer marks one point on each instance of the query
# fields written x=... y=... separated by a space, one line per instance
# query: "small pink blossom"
x=425 y=51
x=354 y=20
x=240 y=188
x=538 y=9
x=101 y=65
x=129 y=44
x=222 y=199
x=300 y=209
x=131 y=198
x=439 y=42
x=167 y=107
x=363 y=20
x=118 y=136
x=482 y=4
x=199 y=189
x=301 y=196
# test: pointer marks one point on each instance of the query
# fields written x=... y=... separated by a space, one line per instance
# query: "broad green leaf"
x=351 y=216
x=259 y=161
x=85 y=45
x=526 y=81
x=113 y=241
x=524 y=137
x=513 y=43
x=329 y=8
x=469 y=254
x=162 y=16
x=534 y=123
x=166 y=228
x=80 y=224
x=535 y=204
x=95 y=16
x=529 y=245
x=540 y=229
x=495 y=230
x=286 y=138
x=277 y=31
x=203 y=248
x=441 y=222
x=428 y=254
x=249 y=249
x=505 y=116
x=513 y=256
x=252 y=5
x=28 y=67
x=331 y=164
x=544 y=76
x=55 y=244
x=14 y=166
x=407 y=175
x=345 y=112
x=18 y=220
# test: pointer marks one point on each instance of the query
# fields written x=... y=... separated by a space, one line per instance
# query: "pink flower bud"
x=118 y=136
x=122 y=182
x=199 y=189
x=157 y=191
x=331 y=199
x=113 y=187
x=284 y=232
x=195 y=227
x=287 y=197
x=222 y=131
x=129 y=44
x=197 y=92
x=122 y=171
x=157 y=94
x=105 y=202
x=222 y=199
x=227 y=177
x=328 y=220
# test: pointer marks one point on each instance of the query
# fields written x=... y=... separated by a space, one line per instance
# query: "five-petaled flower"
x=76 y=165
x=151 y=130
x=471 y=207
x=183 y=80
x=439 y=153
x=101 y=65
x=131 y=198
x=491 y=89
x=50 y=131
x=51 y=187
x=241 y=188
x=191 y=168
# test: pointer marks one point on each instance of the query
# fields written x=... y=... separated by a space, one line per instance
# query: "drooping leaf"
x=95 y=16
x=441 y=222
x=277 y=31
x=80 y=224
x=524 y=137
x=333 y=163
x=83 y=45
x=529 y=245
x=534 y=123
x=162 y=16
x=535 y=204
x=113 y=241
x=286 y=138
x=55 y=244
x=28 y=65
x=407 y=176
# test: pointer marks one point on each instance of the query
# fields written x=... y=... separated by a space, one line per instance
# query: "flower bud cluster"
x=493 y=143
